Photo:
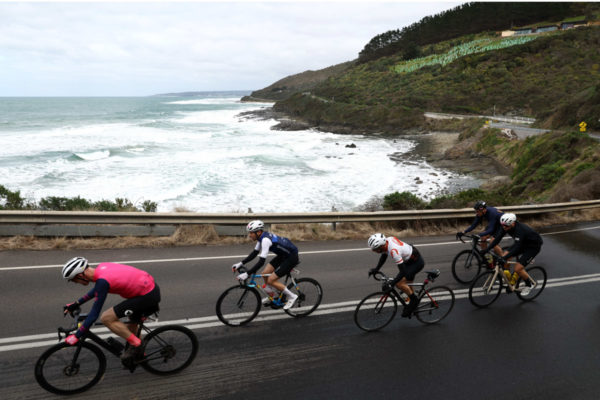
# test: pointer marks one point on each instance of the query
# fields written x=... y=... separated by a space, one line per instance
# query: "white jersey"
x=398 y=250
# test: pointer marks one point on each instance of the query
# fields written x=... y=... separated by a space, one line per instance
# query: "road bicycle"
x=241 y=303
x=487 y=286
x=467 y=264
x=378 y=309
x=69 y=369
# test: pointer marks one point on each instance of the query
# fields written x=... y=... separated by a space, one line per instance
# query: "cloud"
x=137 y=48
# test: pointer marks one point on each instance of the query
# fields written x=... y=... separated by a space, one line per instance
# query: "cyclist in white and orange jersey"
x=407 y=259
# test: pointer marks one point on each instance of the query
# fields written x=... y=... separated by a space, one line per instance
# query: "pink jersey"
x=124 y=280
x=399 y=250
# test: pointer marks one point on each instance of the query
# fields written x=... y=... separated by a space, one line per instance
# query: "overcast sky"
x=141 y=48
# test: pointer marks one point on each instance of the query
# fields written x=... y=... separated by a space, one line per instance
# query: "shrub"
x=402 y=201
x=549 y=174
x=583 y=166
x=149 y=206
x=55 y=203
x=10 y=200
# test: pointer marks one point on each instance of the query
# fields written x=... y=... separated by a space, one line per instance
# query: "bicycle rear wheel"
x=169 y=349
x=466 y=266
x=65 y=369
x=484 y=289
x=375 y=311
x=238 y=305
x=435 y=304
x=309 y=297
x=538 y=274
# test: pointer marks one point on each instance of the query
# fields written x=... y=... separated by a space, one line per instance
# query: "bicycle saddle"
x=431 y=275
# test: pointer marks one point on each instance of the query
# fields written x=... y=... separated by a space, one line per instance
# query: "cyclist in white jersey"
x=407 y=259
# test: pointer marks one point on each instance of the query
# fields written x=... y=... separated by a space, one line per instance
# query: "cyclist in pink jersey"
x=142 y=296
x=407 y=259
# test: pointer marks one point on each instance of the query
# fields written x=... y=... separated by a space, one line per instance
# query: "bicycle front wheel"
x=466 y=266
x=309 y=297
x=375 y=311
x=435 y=304
x=65 y=369
x=484 y=290
x=169 y=349
x=238 y=305
x=538 y=275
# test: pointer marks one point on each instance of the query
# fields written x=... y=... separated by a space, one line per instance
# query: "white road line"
x=41 y=340
x=165 y=260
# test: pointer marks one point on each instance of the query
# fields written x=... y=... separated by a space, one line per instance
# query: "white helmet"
x=376 y=240
x=508 y=219
x=255 y=226
x=73 y=267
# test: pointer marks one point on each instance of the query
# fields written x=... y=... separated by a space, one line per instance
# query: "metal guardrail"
x=37 y=218
x=502 y=118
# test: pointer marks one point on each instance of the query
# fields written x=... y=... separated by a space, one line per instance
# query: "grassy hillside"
x=555 y=166
x=307 y=80
x=552 y=77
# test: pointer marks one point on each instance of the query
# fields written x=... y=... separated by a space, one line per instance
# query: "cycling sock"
x=288 y=293
x=134 y=340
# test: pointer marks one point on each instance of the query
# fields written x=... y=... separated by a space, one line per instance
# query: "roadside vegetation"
x=13 y=200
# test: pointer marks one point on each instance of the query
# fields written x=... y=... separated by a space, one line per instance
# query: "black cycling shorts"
x=284 y=264
x=526 y=257
x=140 y=306
x=410 y=268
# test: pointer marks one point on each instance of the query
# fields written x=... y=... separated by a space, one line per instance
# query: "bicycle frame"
x=253 y=284
x=97 y=339
x=498 y=271
x=420 y=293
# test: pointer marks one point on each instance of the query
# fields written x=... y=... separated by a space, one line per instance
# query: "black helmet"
x=479 y=204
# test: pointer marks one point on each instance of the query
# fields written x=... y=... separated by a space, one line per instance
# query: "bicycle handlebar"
x=380 y=276
x=472 y=237
x=66 y=331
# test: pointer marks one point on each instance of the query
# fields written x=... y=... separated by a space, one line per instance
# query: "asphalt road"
x=545 y=349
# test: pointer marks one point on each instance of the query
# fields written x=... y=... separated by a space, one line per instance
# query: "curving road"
x=546 y=349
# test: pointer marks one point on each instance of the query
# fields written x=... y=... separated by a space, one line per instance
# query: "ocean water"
x=196 y=153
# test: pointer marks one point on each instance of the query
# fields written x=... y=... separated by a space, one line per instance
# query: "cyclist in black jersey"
x=286 y=258
x=527 y=245
x=490 y=214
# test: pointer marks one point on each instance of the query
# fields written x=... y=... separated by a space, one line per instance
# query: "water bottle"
x=514 y=279
x=508 y=276
x=270 y=291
